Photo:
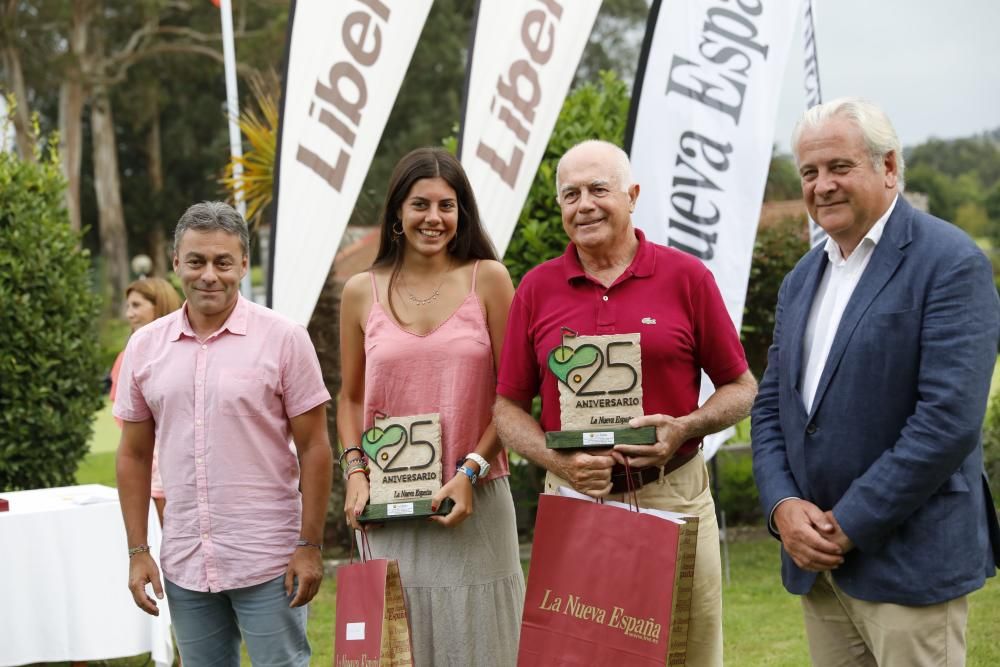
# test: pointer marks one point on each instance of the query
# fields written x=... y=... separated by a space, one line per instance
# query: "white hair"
x=621 y=168
x=876 y=129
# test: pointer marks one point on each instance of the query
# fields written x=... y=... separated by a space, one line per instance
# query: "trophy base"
x=410 y=509
x=600 y=439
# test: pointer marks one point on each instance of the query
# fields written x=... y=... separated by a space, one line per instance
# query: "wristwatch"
x=484 y=465
x=470 y=473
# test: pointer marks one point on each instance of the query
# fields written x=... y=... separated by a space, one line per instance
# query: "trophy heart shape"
x=376 y=439
x=564 y=360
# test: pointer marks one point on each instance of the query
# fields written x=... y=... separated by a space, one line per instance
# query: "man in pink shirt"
x=223 y=386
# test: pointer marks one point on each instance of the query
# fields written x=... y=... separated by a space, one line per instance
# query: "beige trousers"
x=846 y=631
x=686 y=490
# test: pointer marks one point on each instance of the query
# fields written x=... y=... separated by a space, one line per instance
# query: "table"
x=64 y=580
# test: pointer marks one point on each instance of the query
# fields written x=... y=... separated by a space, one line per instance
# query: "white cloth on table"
x=64 y=580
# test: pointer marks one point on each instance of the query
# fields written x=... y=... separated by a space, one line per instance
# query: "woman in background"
x=421 y=332
x=147 y=299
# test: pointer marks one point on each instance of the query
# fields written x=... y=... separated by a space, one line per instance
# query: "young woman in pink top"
x=421 y=332
x=146 y=299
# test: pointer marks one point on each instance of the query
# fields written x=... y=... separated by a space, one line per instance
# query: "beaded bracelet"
x=142 y=548
x=349 y=450
x=360 y=462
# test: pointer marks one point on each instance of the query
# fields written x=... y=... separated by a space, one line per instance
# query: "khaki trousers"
x=846 y=631
x=686 y=490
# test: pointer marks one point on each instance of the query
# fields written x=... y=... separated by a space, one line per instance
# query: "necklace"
x=422 y=301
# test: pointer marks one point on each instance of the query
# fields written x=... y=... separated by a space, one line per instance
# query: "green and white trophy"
x=404 y=455
x=600 y=390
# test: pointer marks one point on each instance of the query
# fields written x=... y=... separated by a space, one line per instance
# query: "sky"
x=932 y=65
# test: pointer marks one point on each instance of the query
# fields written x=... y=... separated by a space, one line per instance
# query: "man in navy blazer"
x=867 y=429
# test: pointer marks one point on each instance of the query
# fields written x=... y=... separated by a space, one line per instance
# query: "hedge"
x=50 y=373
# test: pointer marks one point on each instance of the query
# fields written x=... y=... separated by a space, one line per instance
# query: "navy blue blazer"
x=893 y=442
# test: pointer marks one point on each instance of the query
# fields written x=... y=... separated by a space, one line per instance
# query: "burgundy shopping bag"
x=606 y=586
x=372 y=629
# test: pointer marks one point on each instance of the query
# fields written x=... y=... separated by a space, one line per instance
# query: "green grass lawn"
x=98 y=467
x=106 y=431
x=763 y=624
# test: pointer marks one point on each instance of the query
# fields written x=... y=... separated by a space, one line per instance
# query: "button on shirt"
x=221 y=408
x=835 y=290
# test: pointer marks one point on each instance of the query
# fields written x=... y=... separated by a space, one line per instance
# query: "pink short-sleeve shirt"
x=221 y=408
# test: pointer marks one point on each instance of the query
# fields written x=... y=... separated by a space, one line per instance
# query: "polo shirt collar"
x=236 y=323
x=643 y=264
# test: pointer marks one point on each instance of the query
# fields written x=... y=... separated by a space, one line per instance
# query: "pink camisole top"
x=448 y=370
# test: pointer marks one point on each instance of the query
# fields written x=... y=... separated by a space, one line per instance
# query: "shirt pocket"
x=242 y=392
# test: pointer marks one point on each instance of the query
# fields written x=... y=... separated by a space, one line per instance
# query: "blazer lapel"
x=883 y=264
x=799 y=316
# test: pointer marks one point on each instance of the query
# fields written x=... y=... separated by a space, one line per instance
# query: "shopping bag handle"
x=630 y=490
x=365 y=552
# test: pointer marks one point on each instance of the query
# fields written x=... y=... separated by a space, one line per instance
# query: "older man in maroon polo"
x=223 y=386
x=611 y=280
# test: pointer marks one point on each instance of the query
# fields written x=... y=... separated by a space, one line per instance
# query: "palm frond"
x=260 y=130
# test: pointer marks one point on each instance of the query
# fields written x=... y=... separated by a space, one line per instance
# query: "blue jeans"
x=209 y=626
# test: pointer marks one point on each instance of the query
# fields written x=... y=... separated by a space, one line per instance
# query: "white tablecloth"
x=64 y=580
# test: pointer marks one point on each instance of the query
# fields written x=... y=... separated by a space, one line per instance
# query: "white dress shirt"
x=835 y=290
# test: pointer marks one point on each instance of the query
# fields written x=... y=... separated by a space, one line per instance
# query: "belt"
x=644 y=476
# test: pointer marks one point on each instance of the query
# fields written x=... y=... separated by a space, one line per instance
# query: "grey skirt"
x=464 y=585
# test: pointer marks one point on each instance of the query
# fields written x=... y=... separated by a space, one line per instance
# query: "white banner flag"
x=814 y=94
x=346 y=61
x=702 y=127
x=524 y=55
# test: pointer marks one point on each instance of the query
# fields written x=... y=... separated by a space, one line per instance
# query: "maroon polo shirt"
x=667 y=296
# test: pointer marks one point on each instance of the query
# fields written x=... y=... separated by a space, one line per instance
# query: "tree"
x=956 y=174
x=958 y=156
x=971 y=217
x=940 y=191
x=992 y=204
x=86 y=50
x=50 y=372
x=783 y=181
x=16 y=20
x=172 y=126
x=255 y=186
x=777 y=249
x=614 y=43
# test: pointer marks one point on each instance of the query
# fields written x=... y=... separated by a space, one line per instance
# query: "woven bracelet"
x=365 y=471
x=307 y=543
x=357 y=465
x=142 y=548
